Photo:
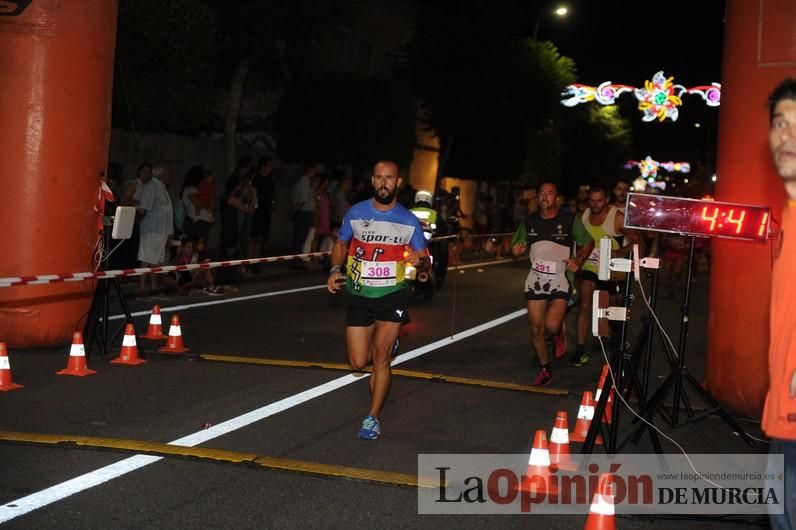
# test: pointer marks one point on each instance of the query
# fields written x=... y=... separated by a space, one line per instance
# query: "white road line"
x=66 y=489
x=223 y=301
x=275 y=293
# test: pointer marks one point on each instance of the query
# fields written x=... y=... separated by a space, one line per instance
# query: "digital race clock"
x=697 y=217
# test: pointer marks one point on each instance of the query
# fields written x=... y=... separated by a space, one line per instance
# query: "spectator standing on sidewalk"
x=323 y=230
x=198 y=216
x=779 y=412
x=131 y=196
x=341 y=200
x=157 y=224
x=303 y=204
x=263 y=183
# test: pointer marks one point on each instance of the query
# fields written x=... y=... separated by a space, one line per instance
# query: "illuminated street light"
x=685 y=181
x=697 y=125
x=713 y=178
x=560 y=11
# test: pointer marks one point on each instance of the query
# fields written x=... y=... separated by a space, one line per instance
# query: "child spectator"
x=190 y=253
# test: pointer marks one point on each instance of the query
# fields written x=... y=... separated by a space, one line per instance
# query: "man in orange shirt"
x=779 y=413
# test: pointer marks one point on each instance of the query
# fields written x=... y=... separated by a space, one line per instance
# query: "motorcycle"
x=423 y=285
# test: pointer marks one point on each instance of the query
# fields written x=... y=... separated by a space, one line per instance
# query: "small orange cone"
x=155 y=331
x=5 y=371
x=77 y=358
x=609 y=405
x=129 y=352
x=585 y=415
x=537 y=477
x=559 y=443
x=602 y=514
x=174 y=344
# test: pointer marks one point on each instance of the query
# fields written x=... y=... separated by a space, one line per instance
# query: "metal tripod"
x=97 y=328
x=681 y=376
x=625 y=382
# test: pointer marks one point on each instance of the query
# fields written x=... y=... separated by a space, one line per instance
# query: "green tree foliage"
x=486 y=89
x=273 y=42
x=347 y=118
x=165 y=65
x=543 y=160
x=596 y=143
x=281 y=40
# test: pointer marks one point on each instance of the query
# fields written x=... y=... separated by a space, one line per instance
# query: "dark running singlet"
x=550 y=243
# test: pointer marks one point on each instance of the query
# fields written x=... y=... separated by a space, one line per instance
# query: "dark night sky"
x=627 y=42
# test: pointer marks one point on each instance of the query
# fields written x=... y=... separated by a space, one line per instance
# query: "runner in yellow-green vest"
x=600 y=220
x=423 y=210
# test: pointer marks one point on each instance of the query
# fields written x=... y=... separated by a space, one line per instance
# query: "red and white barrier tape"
x=122 y=273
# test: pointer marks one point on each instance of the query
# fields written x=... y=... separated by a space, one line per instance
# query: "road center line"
x=88 y=480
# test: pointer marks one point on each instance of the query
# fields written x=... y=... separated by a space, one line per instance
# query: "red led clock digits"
x=762 y=225
x=738 y=222
x=704 y=217
x=711 y=219
x=731 y=219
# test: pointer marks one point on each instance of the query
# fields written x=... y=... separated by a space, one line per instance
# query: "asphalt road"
x=302 y=414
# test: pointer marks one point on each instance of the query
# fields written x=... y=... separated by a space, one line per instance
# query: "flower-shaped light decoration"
x=649 y=167
x=659 y=98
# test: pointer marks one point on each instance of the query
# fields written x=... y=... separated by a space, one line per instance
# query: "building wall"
x=178 y=153
x=370 y=45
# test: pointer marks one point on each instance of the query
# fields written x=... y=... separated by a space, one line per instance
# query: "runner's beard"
x=385 y=199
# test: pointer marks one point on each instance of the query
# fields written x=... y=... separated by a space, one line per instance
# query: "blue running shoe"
x=370 y=429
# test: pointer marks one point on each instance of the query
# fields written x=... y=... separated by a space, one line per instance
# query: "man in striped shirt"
x=156 y=222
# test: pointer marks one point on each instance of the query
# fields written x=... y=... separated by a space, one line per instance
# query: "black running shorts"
x=362 y=311
x=602 y=285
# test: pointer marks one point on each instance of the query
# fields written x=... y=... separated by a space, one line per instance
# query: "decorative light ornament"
x=658 y=99
x=649 y=167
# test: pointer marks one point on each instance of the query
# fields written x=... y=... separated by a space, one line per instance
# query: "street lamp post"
x=560 y=11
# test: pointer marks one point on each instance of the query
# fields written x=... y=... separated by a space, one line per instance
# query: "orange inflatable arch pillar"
x=56 y=79
x=759 y=51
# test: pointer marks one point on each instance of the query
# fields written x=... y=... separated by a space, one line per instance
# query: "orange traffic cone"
x=609 y=405
x=602 y=514
x=585 y=415
x=174 y=344
x=559 y=443
x=537 y=477
x=5 y=371
x=77 y=358
x=155 y=331
x=129 y=352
